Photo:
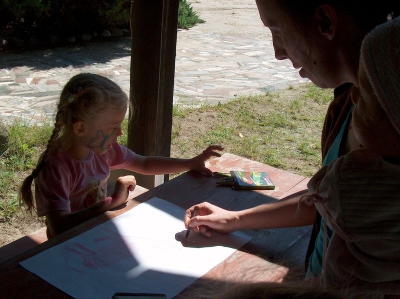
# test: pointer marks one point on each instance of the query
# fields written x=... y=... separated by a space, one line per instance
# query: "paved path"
x=210 y=68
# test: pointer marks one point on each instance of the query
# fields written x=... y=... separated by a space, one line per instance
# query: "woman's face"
x=307 y=48
x=371 y=126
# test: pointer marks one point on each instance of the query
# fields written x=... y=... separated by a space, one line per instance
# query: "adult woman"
x=323 y=40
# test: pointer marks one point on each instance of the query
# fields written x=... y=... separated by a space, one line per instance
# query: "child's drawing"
x=140 y=251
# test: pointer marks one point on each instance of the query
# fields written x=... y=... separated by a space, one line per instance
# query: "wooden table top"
x=271 y=255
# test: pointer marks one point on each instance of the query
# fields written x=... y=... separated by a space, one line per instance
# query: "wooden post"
x=154 y=33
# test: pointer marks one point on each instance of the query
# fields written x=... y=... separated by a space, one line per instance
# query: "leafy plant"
x=27 y=18
x=8 y=208
x=187 y=18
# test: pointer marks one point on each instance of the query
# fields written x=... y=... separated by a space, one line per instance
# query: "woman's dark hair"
x=368 y=14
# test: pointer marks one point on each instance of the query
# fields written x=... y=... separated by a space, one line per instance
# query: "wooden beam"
x=154 y=33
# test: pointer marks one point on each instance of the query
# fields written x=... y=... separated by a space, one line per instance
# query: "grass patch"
x=281 y=129
x=8 y=208
x=25 y=144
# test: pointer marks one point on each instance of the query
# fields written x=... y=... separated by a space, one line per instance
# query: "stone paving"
x=209 y=68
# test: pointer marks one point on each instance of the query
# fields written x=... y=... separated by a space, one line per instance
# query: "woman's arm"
x=272 y=215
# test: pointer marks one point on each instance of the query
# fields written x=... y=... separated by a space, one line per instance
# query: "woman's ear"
x=327 y=20
x=79 y=128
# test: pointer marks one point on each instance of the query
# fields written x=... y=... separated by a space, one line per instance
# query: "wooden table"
x=271 y=255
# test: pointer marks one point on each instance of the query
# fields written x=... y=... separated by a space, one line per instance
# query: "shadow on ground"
x=76 y=56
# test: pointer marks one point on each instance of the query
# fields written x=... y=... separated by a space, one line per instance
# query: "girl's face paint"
x=105 y=131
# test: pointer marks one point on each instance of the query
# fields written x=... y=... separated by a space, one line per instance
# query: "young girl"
x=322 y=39
x=358 y=194
x=71 y=176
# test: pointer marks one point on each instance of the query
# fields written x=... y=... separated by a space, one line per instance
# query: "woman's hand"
x=211 y=218
x=198 y=163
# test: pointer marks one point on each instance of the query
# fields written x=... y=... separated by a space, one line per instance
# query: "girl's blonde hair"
x=84 y=97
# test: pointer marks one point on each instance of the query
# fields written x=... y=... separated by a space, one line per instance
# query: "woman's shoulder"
x=368 y=194
x=363 y=160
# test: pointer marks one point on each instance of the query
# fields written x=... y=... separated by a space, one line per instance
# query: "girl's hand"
x=210 y=218
x=198 y=163
x=123 y=185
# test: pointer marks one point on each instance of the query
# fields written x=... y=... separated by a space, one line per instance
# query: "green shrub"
x=40 y=18
x=187 y=18
x=52 y=22
x=13 y=11
x=70 y=18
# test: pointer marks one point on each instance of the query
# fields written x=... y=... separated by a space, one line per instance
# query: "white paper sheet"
x=137 y=251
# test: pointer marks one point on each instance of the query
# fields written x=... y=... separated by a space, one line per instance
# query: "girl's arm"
x=163 y=165
x=60 y=221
